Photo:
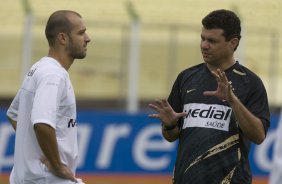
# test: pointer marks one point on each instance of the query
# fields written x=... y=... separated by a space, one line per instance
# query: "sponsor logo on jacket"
x=207 y=116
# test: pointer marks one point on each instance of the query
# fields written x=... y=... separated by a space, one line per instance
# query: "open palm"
x=165 y=112
x=224 y=87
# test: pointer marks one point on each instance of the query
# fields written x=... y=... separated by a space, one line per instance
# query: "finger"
x=225 y=79
x=209 y=93
x=67 y=173
x=222 y=77
x=74 y=179
x=80 y=181
x=220 y=73
x=154 y=115
x=216 y=76
x=165 y=103
x=226 y=82
x=181 y=115
x=230 y=87
x=156 y=108
x=159 y=103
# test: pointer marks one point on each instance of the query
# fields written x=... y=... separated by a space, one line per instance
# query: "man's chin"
x=82 y=56
x=207 y=60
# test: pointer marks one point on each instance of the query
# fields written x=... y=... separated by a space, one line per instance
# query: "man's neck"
x=62 y=59
x=223 y=66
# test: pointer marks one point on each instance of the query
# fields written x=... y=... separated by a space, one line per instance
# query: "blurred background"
x=138 y=47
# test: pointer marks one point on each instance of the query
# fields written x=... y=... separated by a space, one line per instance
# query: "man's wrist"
x=167 y=128
x=233 y=100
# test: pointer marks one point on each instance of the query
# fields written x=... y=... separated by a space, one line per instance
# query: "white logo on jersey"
x=207 y=116
x=188 y=91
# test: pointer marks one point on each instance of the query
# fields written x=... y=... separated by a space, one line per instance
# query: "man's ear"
x=62 y=38
x=234 y=42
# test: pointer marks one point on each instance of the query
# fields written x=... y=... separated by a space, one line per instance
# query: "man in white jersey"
x=43 y=113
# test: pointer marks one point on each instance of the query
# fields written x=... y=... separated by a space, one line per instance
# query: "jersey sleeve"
x=14 y=107
x=174 y=98
x=46 y=100
x=258 y=103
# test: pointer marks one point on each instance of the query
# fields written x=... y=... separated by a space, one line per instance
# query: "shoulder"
x=242 y=71
x=47 y=66
x=191 y=71
x=246 y=80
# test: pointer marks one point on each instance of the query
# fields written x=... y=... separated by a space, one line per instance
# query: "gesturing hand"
x=224 y=89
x=165 y=113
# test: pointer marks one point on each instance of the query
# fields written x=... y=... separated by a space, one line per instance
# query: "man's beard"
x=78 y=55
x=76 y=52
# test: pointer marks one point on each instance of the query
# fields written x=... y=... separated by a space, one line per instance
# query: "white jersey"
x=46 y=96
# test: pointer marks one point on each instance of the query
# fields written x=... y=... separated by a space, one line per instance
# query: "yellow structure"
x=169 y=37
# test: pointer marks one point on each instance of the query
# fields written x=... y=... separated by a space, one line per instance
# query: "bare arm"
x=46 y=137
x=251 y=125
x=168 y=117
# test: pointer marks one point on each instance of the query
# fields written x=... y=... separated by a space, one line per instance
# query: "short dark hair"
x=57 y=23
x=226 y=20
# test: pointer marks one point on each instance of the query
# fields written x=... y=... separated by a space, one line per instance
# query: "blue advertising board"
x=118 y=142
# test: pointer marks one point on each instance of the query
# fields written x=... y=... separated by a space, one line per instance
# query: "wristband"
x=169 y=128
